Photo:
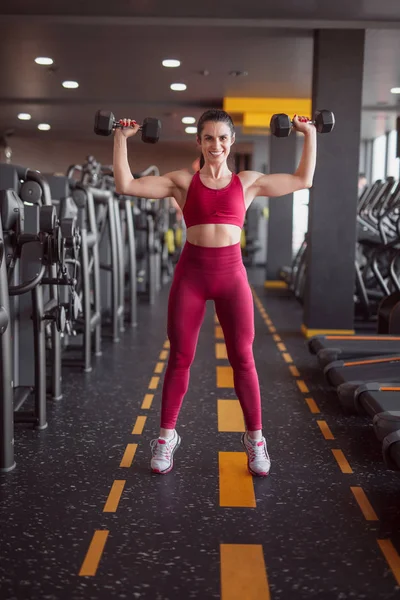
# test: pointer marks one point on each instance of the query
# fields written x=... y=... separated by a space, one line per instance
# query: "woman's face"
x=215 y=142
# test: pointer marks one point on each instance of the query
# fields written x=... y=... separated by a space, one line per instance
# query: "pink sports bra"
x=204 y=205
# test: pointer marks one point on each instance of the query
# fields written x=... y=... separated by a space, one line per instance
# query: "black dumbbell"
x=281 y=124
x=104 y=123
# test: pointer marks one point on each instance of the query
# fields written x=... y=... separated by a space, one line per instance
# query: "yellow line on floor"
x=392 y=557
x=166 y=344
x=164 y=355
x=216 y=321
x=154 y=383
x=129 y=455
x=114 y=496
x=148 y=399
x=225 y=377
x=230 y=416
x=294 y=371
x=236 y=486
x=312 y=405
x=281 y=347
x=326 y=432
x=276 y=338
x=159 y=367
x=92 y=559
x=364 y=504
x=342 y=461
x=287 y=358
x=243 y=572
x=220 y=351
x=219 y=334
x=272 y=329
x=139 y=426
x=302 y=386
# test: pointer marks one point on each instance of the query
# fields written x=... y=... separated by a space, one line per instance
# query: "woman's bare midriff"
x=213 y=235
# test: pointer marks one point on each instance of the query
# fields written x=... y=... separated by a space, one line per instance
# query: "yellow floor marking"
x=154 y=383
x=94 y=553
x=282 y=347
x=243 y=572
x=277 y=338
x=392 y=557
x=164 y=355
x=159 y=367
x=225 y=377
x=139 y=426
x=294 y=371
x=364 y=504
x=216 y=321
x=236 y=486
x=114 y=496
x=272 y=329
x=312 y=405
x=148 y=399
x=166 y=344
x=342 y=461
x=128 y=456
x=287 y=357
x=220 y=351
x=219 y=334
x=326 y=432
x=302 y=386
x=230 y=416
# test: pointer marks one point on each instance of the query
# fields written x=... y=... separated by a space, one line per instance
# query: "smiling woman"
x=214 y=202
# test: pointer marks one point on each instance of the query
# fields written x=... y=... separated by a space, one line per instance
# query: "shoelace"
x=257 y=452
x=160 y=450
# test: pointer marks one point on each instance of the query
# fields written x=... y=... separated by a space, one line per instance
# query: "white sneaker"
x=163 y=451
x=258 y=460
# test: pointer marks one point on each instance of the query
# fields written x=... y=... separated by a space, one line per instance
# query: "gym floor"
x=83 y=518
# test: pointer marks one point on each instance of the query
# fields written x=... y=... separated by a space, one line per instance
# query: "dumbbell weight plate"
x=324 y=121
x=103 y=122
x=280 y=125
x=151 y=130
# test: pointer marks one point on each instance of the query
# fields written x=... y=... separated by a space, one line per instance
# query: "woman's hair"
x=216 y=116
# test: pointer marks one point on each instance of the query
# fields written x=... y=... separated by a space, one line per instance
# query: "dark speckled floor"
x=165 y=536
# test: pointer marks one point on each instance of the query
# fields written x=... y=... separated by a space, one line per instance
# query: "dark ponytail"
x=217 y=116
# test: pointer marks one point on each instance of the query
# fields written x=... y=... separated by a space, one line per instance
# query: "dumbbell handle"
x=122 y=126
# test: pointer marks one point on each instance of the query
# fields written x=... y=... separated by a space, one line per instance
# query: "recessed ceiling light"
x=178 y=87
x=188 y=120
x=43 y=60
x=71 y=85
x=24 y=116
x=44 y=127
x=171 y=63
x=395 y=90
x=191 y=130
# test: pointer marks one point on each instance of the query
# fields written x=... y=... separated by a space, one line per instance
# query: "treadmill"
x=382 y=401
x=348 y=376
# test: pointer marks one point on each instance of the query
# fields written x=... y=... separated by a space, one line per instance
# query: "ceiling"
x=116 y=58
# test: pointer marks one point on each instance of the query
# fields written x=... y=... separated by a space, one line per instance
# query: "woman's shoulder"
x=181 y=178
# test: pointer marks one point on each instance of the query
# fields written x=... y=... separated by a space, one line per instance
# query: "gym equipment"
x=281 y=124
x=105 y=123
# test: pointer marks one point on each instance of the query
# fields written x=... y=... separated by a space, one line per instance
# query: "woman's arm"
x=281 y=184
x=144 y=187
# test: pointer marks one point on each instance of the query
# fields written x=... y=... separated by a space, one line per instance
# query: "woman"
x=214 y=202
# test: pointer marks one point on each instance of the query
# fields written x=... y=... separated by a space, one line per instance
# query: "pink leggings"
x=211 y=274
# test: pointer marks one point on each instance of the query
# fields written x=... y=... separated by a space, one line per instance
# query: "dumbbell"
x=104 y=123
x=281 y=124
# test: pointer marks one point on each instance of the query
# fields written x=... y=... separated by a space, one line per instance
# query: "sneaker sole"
x=157 y=471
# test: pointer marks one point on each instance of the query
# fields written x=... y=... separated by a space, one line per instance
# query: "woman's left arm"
x=281 y=184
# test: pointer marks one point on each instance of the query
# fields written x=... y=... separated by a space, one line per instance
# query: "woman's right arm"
x=144 y=187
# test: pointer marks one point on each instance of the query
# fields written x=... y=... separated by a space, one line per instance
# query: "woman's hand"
x=129 y=129
x=303 y=125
